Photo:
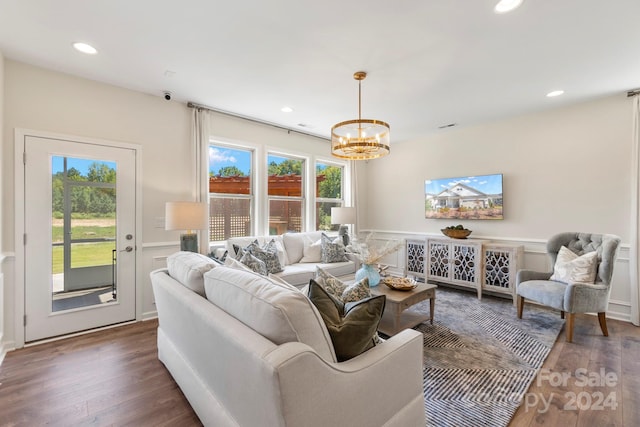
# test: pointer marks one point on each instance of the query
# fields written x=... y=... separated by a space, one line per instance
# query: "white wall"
x=2 y=198
x=44 y=100
x=564 y=170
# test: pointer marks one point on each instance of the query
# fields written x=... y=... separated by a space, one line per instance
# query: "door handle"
x=127 y=249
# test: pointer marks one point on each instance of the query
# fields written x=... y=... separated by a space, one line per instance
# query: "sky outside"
x=488 y=184
x=82 y=165
x=220 y=157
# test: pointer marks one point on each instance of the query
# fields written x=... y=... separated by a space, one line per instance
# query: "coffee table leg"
x=432 y=307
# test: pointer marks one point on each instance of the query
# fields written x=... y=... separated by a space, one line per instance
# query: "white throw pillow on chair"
x=573 y=269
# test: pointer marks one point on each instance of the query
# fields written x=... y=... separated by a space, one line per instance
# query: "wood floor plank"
x=590 y=352
x=114 y=377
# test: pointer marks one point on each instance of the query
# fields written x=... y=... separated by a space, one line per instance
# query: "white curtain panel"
x=634 y=261
x=200 y=134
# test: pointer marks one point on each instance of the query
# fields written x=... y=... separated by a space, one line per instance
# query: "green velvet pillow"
x=352 y=326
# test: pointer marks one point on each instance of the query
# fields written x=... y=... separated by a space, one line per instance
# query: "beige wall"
x=2 y=204
x=48 y=101
x=565 y=169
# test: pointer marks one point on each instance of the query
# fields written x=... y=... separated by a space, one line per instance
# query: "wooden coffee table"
x=396 y=317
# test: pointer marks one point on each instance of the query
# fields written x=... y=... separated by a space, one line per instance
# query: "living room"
x=566 y=167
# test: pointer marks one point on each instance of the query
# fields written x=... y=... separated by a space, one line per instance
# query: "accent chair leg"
x=520 y=306
x=602 y=318
x=569 y=326
x=562 y=314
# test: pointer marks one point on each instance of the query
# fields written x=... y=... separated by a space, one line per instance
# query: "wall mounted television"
x=465 y=197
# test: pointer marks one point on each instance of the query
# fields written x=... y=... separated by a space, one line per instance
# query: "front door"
x=80 y=255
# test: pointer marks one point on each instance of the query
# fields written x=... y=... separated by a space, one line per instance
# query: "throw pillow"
x=268 y=254
x=239 y=251
x=254 y=263
x=351 y=326
x=312 y=251
x=332 y=250
x=338 y=289
x=573 y=269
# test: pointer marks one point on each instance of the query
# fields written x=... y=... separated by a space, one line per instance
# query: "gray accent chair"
x=572 y=298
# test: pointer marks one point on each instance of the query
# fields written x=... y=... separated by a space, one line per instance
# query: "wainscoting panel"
x=535 y=258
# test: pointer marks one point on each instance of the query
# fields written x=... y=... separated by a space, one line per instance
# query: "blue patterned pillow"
x=254 y=263
x=268 y=254
x=332 y=250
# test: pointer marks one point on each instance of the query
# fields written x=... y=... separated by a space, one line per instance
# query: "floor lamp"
x=343 y=216
x=188 y=216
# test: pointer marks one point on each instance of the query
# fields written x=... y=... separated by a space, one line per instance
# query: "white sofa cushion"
x=300 y=274
x=188 y=268
x=278 y=313
x=312 y=251
x=294 y=244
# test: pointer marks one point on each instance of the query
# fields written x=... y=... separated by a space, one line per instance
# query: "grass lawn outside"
x=83 y=254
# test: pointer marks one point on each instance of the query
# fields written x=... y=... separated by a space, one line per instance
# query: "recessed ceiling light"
x=555 y=93
x=85 y=48
x=286 y=109
x=505 y=6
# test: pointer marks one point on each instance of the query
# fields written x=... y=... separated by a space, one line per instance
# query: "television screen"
x=467 y=197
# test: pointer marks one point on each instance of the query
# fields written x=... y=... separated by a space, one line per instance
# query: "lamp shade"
x=343 y=215
x=185 y=216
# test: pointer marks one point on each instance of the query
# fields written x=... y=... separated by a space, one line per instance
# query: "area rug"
x=479 y=358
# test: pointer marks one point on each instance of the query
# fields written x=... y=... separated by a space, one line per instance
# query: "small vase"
x=369 y=271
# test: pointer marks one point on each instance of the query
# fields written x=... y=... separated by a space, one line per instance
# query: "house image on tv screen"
x=471 y=197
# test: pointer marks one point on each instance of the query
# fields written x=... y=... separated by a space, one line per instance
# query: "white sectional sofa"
x=297 y=271
x=256 y=352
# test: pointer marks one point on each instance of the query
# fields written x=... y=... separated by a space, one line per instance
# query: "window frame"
x=340 y=202
x=218 y=143
x=303 y=188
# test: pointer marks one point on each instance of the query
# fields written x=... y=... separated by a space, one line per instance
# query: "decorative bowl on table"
x=400 y=283
x=456 y=233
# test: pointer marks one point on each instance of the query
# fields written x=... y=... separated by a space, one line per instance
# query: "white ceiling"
x=430 y=62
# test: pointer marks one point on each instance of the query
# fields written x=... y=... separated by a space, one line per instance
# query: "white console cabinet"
x=415 y=257
x=455 y=261
x=481 y=265
x=500 y=265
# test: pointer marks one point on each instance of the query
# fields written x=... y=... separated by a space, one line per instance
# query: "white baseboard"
x=149 y=315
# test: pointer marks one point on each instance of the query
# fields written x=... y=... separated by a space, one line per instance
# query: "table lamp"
x=343 y=216
x=188 y=216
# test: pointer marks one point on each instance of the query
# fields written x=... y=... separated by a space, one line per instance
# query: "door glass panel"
x=83 y=232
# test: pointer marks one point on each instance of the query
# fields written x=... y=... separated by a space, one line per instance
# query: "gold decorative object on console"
x=360 y=139
x=400 y=283
x=456 y=233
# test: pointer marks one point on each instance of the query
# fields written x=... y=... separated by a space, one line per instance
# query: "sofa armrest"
x=382 y=385
x=525 y=275
x=354 y=259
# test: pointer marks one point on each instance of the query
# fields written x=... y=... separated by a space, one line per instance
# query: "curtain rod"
x=633 y=93
x=251 y=119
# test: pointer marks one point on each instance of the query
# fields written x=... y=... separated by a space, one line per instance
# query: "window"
x=231 y=198
x=285 y=192
x=329 y=193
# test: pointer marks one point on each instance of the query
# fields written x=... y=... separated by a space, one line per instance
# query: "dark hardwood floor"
x=107 y=378
x=113 y=377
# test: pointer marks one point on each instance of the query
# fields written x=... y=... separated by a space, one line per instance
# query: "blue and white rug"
x=479 y=358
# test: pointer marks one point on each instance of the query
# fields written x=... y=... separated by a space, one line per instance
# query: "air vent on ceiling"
x=450 y=125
